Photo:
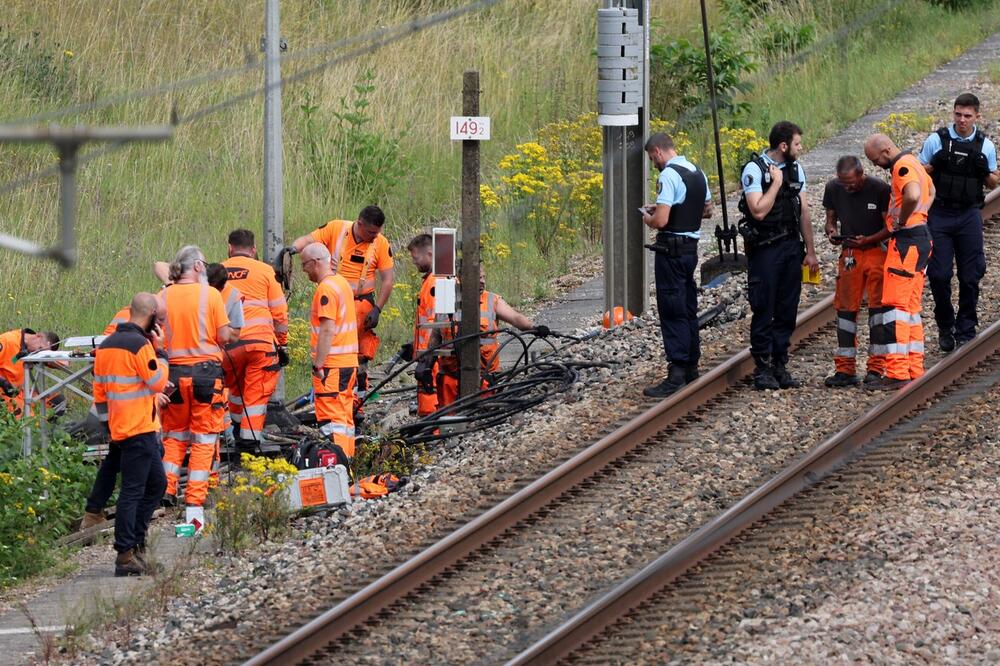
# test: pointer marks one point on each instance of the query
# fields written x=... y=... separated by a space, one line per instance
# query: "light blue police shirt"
x=932 y=145
x=752 y=177
x=671 y=190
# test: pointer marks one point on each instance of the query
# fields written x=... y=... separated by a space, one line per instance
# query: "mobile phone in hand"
x=837 y=238
x=169 y=389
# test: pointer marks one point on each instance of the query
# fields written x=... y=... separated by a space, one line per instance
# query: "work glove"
x=424 y=374
x=7 y=388
x=371 y=321
x=542 y=331
x=406 y=352
x=283 y=359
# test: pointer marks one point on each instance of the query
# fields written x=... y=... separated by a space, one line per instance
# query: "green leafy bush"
x=679 y=76
x=41 y=496
x=341 y=146
x=781 y=36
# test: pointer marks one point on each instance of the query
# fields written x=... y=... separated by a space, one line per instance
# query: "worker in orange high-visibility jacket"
x=333 y=344
x=253 y=362
x=906 y=260
x=120 y=317
x=492 y=310
x=422 y=254
x=14 y=345
x=218 y=278
x=129 y=377
x=196 y=329
x=358 y=250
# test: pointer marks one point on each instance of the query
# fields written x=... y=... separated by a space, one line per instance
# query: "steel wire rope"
x=378 y=39
x=409 y=27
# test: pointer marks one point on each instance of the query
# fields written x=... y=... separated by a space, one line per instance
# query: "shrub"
x=386 y=454
x=900 y=127
x=254 y=507
x=679 y=76
x=41 y=496
x=342 y=147
x=781 y=36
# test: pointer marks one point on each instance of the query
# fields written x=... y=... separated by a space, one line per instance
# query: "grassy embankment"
x=144 y=202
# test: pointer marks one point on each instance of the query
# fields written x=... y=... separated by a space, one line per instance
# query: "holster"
x=672 y=245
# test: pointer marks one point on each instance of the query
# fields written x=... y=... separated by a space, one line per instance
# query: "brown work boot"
x=127 y=564
x=91 y=519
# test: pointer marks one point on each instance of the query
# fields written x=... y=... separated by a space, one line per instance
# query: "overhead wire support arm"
x=67 y=141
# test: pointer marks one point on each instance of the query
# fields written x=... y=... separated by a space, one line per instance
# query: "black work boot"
x=946 y=339
x=872 y=378
x=763 y=378
x=887 y=384
x=168 y=500
x=840 y=380
x=127 y=564
x=783 y=377
x=690 y=372
x=674 y=381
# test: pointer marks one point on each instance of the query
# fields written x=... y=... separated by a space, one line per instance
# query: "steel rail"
x=407 y=577
x=821 y=461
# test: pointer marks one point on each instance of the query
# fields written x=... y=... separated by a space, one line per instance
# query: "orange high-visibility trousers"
x=251 y=376
x=335 y=406
x=902 y=293
x=859 y=276
x=193 y=418
x=427 y=394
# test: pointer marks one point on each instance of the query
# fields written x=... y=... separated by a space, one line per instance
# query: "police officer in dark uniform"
x=682 y=200
x=779 y=241
x=961 y=161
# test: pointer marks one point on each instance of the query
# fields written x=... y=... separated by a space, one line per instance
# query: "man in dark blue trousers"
x=962 y=161
x=682 y=200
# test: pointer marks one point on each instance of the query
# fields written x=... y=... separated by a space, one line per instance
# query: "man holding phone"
x=130 y=375
x=682 y=200
x=859 y=203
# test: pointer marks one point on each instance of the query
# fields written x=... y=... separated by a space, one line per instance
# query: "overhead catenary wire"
x=378 y=39
x=410 y=27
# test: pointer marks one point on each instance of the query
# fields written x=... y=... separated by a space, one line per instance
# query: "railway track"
x=642 y=440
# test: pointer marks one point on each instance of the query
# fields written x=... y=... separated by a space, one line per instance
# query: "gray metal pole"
x=66 y=255
x=468 y=350
x=274 y=201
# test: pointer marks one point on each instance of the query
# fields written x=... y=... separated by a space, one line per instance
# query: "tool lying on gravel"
x=730 y=260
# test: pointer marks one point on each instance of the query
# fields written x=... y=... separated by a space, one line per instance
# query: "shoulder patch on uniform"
x=659 y=186
x=324 y=299
x=748 y=179
x=903 y=171
x=389 y=245
x=152 y=364
x=432 y=291
x=322 y=226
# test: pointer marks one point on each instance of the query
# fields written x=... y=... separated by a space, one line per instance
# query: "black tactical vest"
x=786 y=212
x=686 y=216
x=960 y=171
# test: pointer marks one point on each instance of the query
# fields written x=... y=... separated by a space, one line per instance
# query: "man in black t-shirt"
x=859 y=203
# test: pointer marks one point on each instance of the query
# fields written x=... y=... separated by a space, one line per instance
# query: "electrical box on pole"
x=623 y=113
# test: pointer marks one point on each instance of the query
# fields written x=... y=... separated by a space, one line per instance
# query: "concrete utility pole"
x=623 y=113
x=468 y=350
x=68 y=141
x=274 y=200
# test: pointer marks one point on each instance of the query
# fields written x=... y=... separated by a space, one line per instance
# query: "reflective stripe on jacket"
x=265 y=311
x=333 y=300
x=127 y=377
x=195 y=312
